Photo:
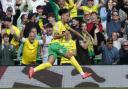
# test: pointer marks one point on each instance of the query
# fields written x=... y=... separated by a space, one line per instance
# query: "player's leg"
x=46 y=65
x=51 y=59
x=69 y=55
x=42 y=66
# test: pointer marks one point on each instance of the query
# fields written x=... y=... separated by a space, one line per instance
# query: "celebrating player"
x=56 y=49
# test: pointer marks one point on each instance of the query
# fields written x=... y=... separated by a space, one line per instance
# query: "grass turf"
x=65 y=88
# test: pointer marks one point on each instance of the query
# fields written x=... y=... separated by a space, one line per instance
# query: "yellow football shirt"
x=40 y=23
x=30 y=52
x=17 y=32
x=72 y=7
x=90 y=9
x=58 y=28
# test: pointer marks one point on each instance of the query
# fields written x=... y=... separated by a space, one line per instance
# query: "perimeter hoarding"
x=64 y=76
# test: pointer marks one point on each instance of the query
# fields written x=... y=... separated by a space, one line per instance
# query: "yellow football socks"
x=43 y=66
x=48 y=65
x=76 y=65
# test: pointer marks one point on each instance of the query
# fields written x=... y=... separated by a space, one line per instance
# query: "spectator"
x=8 y=13
x=85 y=50
x=103 y=16
x=76 y=25
x=18 y=10
x=61 y=4
x=32 y=23
x=95 y=23
x=41 y=18
x=24 y=11
x=72 y=6
x=100 y=37
x=114 y=24
x=124 y=53
x=116 y=40
x=90 y=6
x=48 y=37
x=124 y=5
x=1 y=11
x=7 y=52
x=110 y=54
x=11 y=30
x=123 y=15
x=20 y=50
x=125 y=2
x=24 y=20
x=8 y=3
x=40 y=12
x=30 y=49
x=55 y=8
x=125 y=26
x=51 y=19
x=32 y=4
x=87 y=17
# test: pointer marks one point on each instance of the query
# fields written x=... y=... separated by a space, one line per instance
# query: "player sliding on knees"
x=56 y=49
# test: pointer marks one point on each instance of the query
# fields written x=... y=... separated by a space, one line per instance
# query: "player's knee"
x=69 y=55
x=51 y=59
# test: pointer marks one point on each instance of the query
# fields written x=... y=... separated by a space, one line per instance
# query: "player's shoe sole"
x=31 y=72
x=86 y=75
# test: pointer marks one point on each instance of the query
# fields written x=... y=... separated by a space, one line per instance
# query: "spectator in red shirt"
x=94 y=23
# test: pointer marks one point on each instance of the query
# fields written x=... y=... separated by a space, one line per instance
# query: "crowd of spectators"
x=28 y=26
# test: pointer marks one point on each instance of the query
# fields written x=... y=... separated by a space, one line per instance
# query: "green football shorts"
x=56 y=50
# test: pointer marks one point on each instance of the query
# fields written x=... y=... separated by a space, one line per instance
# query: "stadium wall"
x=64 y=76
